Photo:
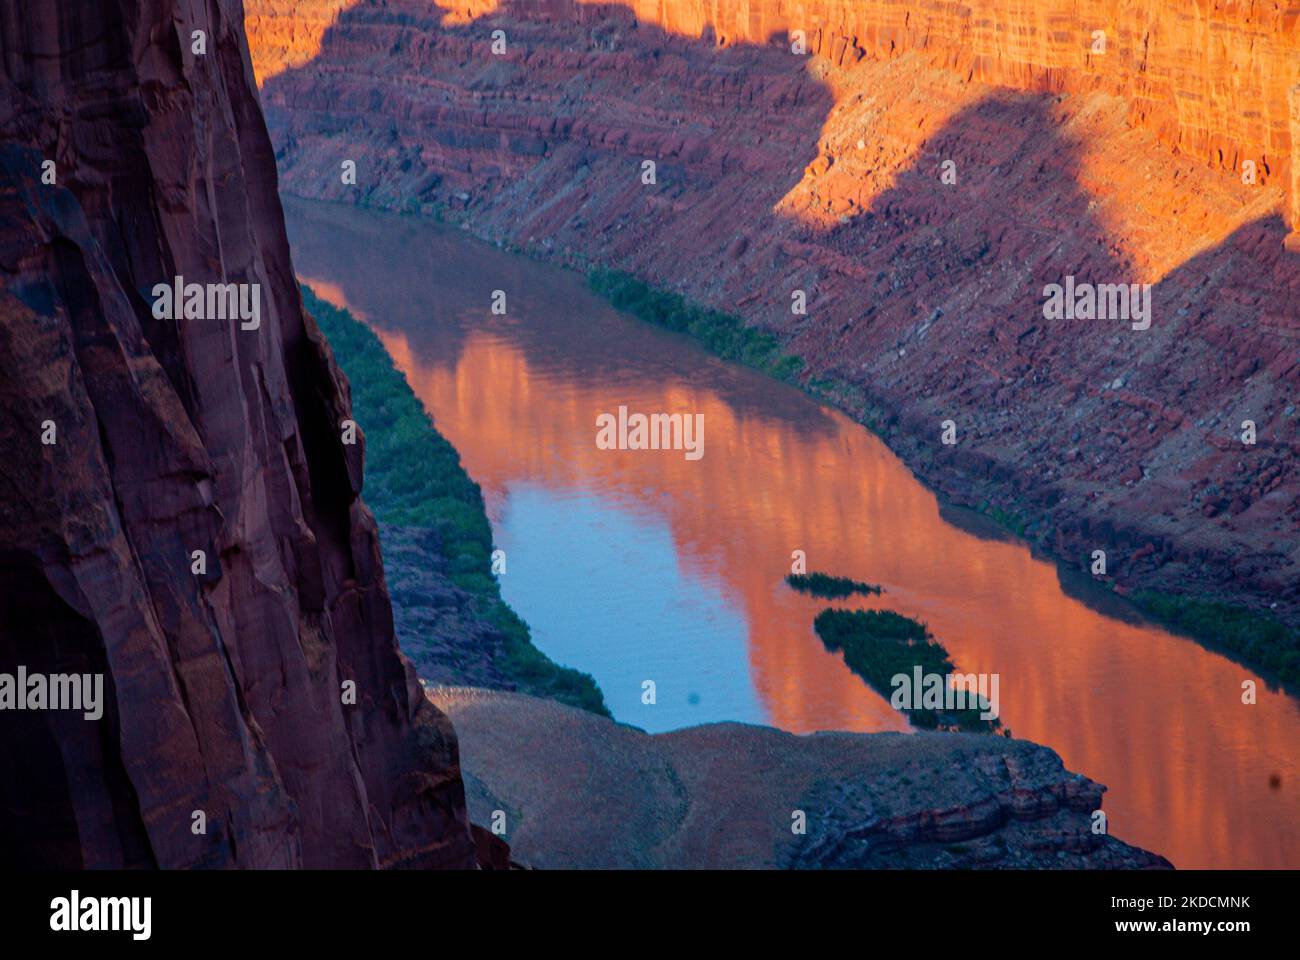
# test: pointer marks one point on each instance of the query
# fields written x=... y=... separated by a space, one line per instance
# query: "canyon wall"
x=178 y=512
x=1211 y=78
x=921 y=178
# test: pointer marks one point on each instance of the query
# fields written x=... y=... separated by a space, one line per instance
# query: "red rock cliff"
x=223 y=688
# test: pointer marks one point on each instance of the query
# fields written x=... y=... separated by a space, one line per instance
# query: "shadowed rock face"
x=778 y=173
x=222 y=688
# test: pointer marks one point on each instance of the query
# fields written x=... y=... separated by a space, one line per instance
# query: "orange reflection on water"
x=1137 y=708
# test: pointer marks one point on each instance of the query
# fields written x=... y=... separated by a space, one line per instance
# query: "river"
x=646 y=565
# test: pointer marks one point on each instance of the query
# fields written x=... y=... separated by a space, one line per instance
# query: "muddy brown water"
x=643 y=565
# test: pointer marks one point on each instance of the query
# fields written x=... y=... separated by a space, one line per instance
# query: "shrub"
x=880 y=644
x=828 y=587
x=1256 y=638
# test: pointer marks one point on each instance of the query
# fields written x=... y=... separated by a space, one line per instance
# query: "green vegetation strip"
x=414 y=478
x=1253 y=637
x=828 y=587
x=724 y=334
x=879 y=645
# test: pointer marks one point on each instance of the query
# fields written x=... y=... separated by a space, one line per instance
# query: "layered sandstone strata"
x=1210 y=77
x=128 y=443
x=778 y=173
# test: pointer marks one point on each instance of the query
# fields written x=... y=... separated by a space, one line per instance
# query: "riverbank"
x=437 y=544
